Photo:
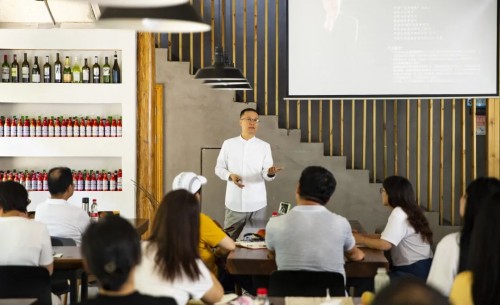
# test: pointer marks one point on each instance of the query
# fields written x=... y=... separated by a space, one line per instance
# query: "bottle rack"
x=74 y=99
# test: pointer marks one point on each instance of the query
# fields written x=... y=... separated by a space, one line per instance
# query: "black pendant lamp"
x=164 y=19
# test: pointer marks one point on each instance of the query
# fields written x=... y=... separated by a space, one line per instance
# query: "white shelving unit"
x=48 y=99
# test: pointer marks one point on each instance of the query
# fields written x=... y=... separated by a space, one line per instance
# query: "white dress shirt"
x=63 y=219
x=250 y=159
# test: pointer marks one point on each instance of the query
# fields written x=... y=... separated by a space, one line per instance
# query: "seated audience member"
x=62 y=219
x=407 y=233
x=111 y=250
x=171 y=264
x=480 y=285
x=213 y=240
x=310 y=225
x=452 y=251
x=25 y=242
x=409 y=291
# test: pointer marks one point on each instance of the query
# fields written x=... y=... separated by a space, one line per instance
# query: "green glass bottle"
x=35 y=72
x=86 y=72
x=5 y=70
x=25 y=69
x=14 y=71
x=77 y=71
x=67 y=71
x=106 y=71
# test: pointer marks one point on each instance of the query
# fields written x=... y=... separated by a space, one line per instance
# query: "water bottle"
x=381 y=279
x=94 y=213
x=85 y=204
x=261 y=298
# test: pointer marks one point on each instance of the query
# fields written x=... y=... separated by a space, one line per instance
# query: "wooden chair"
x=24 y=282
x=303 y=283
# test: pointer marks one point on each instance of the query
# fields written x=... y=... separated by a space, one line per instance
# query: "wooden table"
x=70 y=265
x=243 y=261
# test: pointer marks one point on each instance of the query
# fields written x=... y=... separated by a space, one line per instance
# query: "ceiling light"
x=166 y=19
x=246 y=86
x=212 y=82
x=219 y=71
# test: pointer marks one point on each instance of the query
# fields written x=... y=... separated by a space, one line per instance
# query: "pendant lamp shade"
x=211 y=82
x=233 y=87
x=219 y=71
x=166 y=19
x=138 y=3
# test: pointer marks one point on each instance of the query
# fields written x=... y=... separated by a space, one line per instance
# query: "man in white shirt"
x=61 y=218
x=245 y=162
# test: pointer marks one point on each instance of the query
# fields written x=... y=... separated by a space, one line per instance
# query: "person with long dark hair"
x=407 y=233
x=480 y=285
x=171 y=264
x=111 y=250
x=451 y=255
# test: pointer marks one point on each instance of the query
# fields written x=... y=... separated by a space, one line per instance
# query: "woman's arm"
x=215 y=293
x=372 y=241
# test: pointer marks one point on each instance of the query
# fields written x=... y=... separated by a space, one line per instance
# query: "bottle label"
x=57 y=73
x=46 y=71
x=26 y=131
x=26 y=72
x=14 y=72
x=5 y=73
x=105 y=71
x=67 y=78
x=76 y=77
x=86 y=75
x=35 y=78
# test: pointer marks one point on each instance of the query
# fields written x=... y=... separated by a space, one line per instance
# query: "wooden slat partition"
x=374 y=142
x=395 y=126
x=464 y=150
x=453 y=156
x=353 y=134
x=408 y=148
x=364 y=136
x=493 y=137
x=429 y=156
x=419 y=150
x=384 y=127
x=331 y=126
x=266 y=57
x=309 y=121
x=342 y=127
x=276 y=57
x=441 y=162
x=473 y=139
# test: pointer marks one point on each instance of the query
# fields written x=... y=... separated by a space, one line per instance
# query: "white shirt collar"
x=249 y=140
x=56 y=201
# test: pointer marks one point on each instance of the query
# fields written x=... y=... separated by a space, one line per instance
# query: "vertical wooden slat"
x=266 y=55
x=255 y=46
x=408 y=142
x=309 y=119
x=473 y=140
x=364 y=135
x=419 y=146
x=245 y=45
x=430 y=155
x=287 y=114
x=180 y=48
x=158 y=144
x=441 y=164
x=276 y=43
x=158 y=40
x=463 y=153
x=191 y=49
x=202 y=38
x=341 y=127
x=298 y=114
x=169 y=46
x=453 y=141
x=233 y=28
x=214 y=29
x=353 y=132
x=395 y=126
x=384 y=129
x=320 y=121
x=223 y=24
x=493 y=137
x=331 y=126
x=374 y=140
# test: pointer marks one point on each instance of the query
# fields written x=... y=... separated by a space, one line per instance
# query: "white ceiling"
x=34 y=14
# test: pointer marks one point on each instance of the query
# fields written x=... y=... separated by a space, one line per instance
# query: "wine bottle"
x=14 y=71
x=57 y=70
x=5 y=70
x=106 y=71
x=35 y=72
x=77 y=72
x=47 y=71
x=86 y=72
x=96 y=71
x=116 y=75
x=25 y=68
x=66 y=71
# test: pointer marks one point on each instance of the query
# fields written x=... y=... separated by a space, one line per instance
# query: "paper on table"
x=57 y=255
x=252 y=244
x=317 y=301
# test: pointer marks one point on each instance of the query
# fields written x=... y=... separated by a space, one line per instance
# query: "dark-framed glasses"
x=249 y=120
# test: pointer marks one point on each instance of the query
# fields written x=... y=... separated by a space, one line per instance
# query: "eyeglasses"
x=382 y=190
x=249 y=120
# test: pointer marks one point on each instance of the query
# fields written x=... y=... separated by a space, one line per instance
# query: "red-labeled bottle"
x=39 y=185
x=100 y=131
x=57 y=128
x=20 y=124
x=26 y=127
x=119 y=181
x=82 y=127
x=64 y=130
x=107 y=128
x=38 y=127
x=88 y=181
x=45 y=182
x=95 y=128
x=69 y=128
x=105 y=182
x=76 y=128
x=99 y=182
x=51 y=127
x=45 y=127
x=80 y=181
x=13 y=128
x=32 y=128
x=112 y=182
x=6 y=127
x=113 y=128
x=119 y=128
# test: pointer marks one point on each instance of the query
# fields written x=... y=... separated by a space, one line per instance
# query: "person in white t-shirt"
x=407 y=233
x=61 y=218
x=452 y=251
x=25 y=242
x=245 y=162
x=171 y=264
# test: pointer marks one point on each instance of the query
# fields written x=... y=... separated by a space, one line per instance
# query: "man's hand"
x=273 y=170
x=237 y=180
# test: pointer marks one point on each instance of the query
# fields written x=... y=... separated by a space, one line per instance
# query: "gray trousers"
x=234 y=221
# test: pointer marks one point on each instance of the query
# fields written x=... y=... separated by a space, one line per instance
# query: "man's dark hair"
x=317 y=184
x=60 y=178
x=247 y=110
x=13 y=196
x=409 y=291
x=111 y=248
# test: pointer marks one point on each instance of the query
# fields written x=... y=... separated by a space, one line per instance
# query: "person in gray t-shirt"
x=310 y=237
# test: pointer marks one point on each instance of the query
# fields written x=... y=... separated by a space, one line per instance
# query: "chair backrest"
x=62 y=241
x=21 y=282
x=303 y=283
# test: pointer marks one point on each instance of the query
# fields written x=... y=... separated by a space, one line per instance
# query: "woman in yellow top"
x=481 y=285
